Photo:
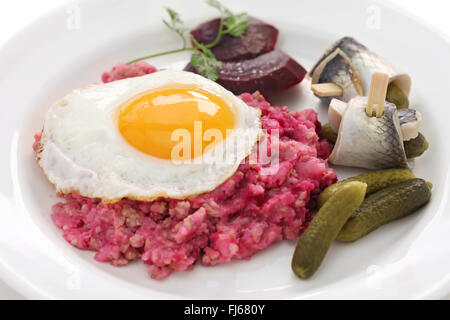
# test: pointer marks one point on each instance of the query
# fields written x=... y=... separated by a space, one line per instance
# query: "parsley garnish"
x=204 y=60
x=236 y=25
x=216 y=4
x=176 y=24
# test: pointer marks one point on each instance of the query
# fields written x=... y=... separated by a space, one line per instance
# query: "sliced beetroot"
x=269 y=72
x=259 y=38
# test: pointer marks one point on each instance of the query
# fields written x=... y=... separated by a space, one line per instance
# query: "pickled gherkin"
x=375 y=181
x=388 y=204
x=328 y=133
x=397 y=96
x=416 y=147
x=314 y=242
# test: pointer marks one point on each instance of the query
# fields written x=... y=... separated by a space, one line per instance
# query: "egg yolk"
x=152 y=123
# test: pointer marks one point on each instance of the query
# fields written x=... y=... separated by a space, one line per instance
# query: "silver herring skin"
x=369 y=142
x=350 y=65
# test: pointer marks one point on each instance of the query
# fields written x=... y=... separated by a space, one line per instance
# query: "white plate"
x=409 y=258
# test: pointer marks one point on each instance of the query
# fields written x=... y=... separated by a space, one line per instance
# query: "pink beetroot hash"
x=245 y=214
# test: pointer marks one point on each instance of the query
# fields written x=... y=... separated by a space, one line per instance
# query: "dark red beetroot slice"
x=269 y=72
x=259 y=38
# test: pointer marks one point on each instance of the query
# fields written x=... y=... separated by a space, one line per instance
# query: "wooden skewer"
x=377 y=94
x=328 y=89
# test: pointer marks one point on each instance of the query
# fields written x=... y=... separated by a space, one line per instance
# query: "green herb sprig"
x=204 y=60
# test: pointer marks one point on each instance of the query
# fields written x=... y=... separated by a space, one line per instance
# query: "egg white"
x=82 y=150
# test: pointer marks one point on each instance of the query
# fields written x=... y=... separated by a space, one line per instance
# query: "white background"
x=15 y=14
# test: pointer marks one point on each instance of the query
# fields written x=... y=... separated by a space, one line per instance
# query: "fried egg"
x=166 y=134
